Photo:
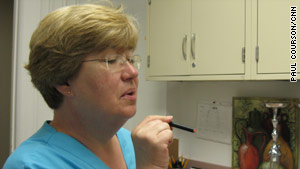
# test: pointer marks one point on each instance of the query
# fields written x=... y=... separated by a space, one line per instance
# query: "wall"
x=182 y=100
x=6 y=21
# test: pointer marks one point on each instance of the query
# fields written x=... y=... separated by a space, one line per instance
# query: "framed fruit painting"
x=252 y=132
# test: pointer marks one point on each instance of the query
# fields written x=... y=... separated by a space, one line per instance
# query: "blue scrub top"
x=50 y=149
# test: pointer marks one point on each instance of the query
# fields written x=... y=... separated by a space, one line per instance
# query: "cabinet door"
x=274 y=36
x=219 y=29
x=169 y=23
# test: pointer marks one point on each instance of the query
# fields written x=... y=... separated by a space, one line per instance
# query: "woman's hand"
x=151 y=139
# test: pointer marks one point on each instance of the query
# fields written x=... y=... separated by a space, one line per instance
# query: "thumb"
x=167 y=119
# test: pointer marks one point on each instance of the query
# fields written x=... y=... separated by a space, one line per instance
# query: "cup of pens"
x=181 y=162
x=178 y=164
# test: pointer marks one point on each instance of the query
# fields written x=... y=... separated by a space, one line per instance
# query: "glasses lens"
x=113 y=62
x=116 y=62
x=137 y=61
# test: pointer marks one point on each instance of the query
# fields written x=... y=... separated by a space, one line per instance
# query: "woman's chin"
x=128 y=112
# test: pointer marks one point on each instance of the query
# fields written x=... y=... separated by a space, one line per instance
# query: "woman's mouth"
x=129 y=94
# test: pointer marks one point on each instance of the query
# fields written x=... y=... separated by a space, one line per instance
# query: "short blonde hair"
x=66 y=36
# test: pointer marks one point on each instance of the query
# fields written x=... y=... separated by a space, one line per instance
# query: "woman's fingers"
x=151 y=139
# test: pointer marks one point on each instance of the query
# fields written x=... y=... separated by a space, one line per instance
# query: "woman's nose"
x=130 y=71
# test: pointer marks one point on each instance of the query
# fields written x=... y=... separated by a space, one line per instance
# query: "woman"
x=81 y=60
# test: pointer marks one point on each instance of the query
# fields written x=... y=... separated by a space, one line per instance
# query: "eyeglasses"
x=117 y=62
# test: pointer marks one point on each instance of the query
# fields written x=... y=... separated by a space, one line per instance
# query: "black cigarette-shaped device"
x=182 y=127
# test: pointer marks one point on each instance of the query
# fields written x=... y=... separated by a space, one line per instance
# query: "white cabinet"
x=170 y=22
x=186 y=37
x=219 y=39
x=273 y=39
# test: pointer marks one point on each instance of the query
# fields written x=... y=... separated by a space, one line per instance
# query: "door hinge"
x=243 y=54
x=149 y=2
x=257 y=53
x=148 y=61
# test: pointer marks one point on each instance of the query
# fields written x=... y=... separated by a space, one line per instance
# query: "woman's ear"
x=64 y=89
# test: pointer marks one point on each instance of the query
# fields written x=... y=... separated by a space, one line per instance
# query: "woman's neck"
x=103 y=142
x=91 y=134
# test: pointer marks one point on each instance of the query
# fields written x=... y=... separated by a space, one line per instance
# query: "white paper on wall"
x=214 y=120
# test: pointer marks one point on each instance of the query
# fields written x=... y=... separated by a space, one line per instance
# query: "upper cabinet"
x=169 y=28
x=273 y=38
x=196 y=37
x=218 y=39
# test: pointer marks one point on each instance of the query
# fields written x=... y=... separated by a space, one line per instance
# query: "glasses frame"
x=134 y=60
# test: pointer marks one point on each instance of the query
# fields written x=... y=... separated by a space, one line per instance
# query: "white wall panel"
x=28 y=103
x=29 y=108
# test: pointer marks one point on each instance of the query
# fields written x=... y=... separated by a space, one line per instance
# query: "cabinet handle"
x=243 y=54
x=184 y=40
x=193 y=46
x=257 y=53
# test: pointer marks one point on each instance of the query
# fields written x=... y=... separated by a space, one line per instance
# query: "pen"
x=181 y=159
x=186 y=163
x=170 y=164
x=173 y=160
x=182 y=127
